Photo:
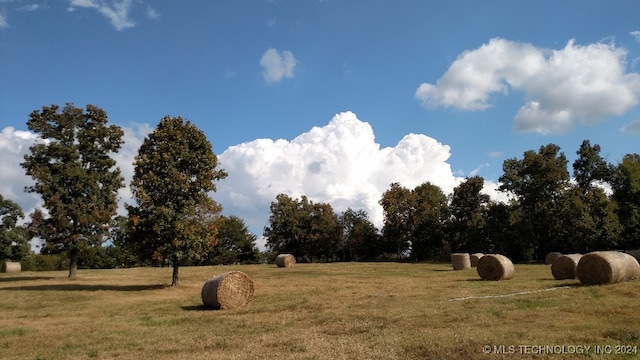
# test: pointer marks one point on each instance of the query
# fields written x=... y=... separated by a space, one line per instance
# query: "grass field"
x=318 y=311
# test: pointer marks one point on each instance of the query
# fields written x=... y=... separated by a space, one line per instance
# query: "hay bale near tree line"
x=11 y=267
x=285 y=260
x=460 y=261
x=495 y=267
x=564 y=267
x=230 y=290
x=607 y=267
x=474 y=259
x=551 y=257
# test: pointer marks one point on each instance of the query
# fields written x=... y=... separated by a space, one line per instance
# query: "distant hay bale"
x=564 y=267
x=551 y=257
x=230 y=290
x=11 y=267
x=474 y=259
x=285 y=260
x=460 y=261
x=607 y=267
x=495 y=267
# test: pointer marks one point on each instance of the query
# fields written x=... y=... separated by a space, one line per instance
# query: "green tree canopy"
x=468 y=215
x=75 y=176
x=14 y=243
x=175 y=219
x=626 y=192
x=236 y=244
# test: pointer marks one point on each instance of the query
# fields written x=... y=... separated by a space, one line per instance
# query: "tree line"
x=547 y=212
x=175 y=222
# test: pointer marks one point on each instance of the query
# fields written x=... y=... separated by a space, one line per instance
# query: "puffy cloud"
x=4 y=23
x=116 y=11
x=636 y=35
x=576 y=83
x=277 y=66
x=14 y=144
x=339 y=163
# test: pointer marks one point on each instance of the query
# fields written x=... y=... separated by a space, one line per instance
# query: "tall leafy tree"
x=429 y=217
x=174 y=220
x=538 y=181
x=398 y=208
x=468 y=215
x=236 y=244
x=361 y=238
x=626 y=193
x=589 y=166
x=14 y=243
x=75 y=176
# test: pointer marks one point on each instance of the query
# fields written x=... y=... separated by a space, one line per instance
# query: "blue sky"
x=360 y=93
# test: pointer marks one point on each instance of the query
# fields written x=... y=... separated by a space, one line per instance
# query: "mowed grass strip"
x=310 y=311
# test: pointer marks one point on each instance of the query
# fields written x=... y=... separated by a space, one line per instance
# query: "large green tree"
x=468 y=216
x=14 y=243
x=361 y=238
x=626 y=192
x=538 y=181
x=398 y=228
x=310 y=231
x=174 y=219
x=430 y=215
x=75 y=176
x=236 y=244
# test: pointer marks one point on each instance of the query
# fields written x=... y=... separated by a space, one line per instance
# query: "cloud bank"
x=574 y=84
x=339 y=163
x=277 y=66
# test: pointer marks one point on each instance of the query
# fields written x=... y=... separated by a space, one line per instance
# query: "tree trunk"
x=73 y=264
x=174 y=279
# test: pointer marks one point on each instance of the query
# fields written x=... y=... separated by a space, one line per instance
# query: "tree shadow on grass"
x=24 y=278
x=85 y=287
x=197 y=308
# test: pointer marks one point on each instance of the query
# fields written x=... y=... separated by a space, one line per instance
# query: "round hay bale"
x=607 y=267
x=11 y=267
x=551 y=257
x=460 y=261
x=474 y=259
x=564 y=267
x=285 y=260
x=230 y=290
x=495 y=267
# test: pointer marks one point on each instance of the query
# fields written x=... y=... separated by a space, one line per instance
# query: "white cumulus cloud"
x=277 y=65
x=339 y=163
x=575 y=83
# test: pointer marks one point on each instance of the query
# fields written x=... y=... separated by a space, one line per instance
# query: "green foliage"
x=174 y=221
x=468 y=216
x=236 y=244
x=626 y=192
x=14 y=242
x=361 y=238
x=538 y=182
x=75 y=176
x=307 y=230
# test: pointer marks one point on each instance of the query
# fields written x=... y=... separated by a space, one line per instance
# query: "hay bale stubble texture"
x=551 y=257
x=474 y=259
x=495 y=267
x=564 y=267
x=11 y=267
x=460 y=261
x=285 y=260
x=229 y=290
x=607 y=267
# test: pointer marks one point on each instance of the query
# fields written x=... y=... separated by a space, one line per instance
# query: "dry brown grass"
x=313 y=311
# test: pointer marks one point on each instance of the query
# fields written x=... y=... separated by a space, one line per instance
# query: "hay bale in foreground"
x=551 y=257
x=495 y=267
x=474 y=259
x=564 y=267
x=460 y=261
x=607 y=267
x=11 y=267
x=285 y=260
x=229 y=290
